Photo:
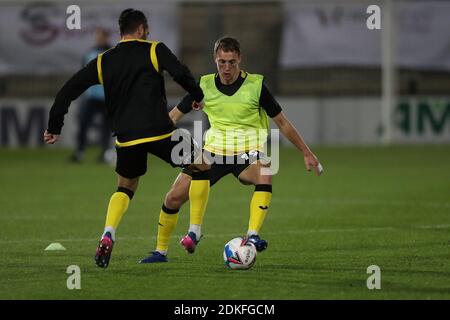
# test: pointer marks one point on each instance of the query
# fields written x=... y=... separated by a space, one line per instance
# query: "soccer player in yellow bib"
x=237 y=104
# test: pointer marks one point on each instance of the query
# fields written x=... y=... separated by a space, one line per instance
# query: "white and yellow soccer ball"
x=239 y=254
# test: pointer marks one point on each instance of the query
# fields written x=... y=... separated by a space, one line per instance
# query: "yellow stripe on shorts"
x=142 y=140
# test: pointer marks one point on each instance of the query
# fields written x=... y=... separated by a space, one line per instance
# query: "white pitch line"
x=436 y=226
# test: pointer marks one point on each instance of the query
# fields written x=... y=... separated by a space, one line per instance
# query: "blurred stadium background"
x=373 y=104
x=340 y=82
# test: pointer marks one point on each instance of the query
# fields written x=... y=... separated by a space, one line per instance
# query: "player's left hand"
x=50 y=138
x=311 y=161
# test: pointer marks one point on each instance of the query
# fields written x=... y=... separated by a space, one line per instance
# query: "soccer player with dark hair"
x=235 y=99
x=136 y=109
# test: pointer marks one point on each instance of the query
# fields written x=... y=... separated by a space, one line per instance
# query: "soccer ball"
x=238 y=254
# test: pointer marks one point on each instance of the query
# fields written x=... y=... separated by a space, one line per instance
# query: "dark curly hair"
x=130 y=20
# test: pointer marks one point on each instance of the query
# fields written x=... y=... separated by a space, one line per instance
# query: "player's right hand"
x=311 y=161
x=198 y=105
x=50 y=138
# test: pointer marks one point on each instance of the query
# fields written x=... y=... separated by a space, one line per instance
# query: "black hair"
x=130 y=20
x=227 y=44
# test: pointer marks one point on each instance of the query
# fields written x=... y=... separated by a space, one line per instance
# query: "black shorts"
x=224 y=165
x=132 y=161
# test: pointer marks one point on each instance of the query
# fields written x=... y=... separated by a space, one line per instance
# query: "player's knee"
x=130 y=184
x=264 y=175
x=199 y=167
x=264 y=179
x=175 y=199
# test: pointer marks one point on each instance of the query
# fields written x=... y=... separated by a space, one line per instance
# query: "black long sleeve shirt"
x=136 y=104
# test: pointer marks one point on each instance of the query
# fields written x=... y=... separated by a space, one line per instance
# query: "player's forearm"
x=71 y=90
x=56 y=119
x=175 y=115
x=289 y=131
x=179 y=72
x=59 y=109
x=185 y=79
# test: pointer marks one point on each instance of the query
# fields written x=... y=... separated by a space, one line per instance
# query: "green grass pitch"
x=388 y=207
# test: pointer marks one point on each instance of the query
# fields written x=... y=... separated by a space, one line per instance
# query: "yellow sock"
x=198 y=196
x=118 y=204
x=258 y=207
x=167 y=222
